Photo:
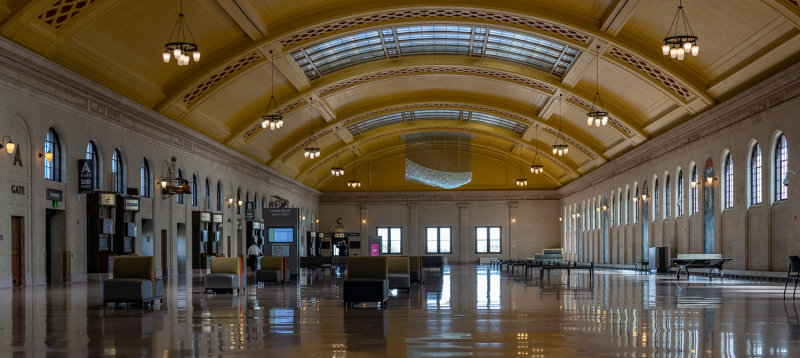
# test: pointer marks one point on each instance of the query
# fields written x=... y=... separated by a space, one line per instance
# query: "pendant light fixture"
x=560 y=148
x=272 y=121
x=536 y=166
x=597 y=115
x=181 y=43
x=521 y=180
x=337 y=169
x=312 y=151
x=677 y=45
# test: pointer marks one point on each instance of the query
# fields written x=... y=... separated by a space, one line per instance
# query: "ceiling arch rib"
x=501 y=114
x=322 y=165
x=322 y=88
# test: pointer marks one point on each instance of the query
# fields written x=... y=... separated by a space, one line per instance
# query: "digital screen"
x=280 y=234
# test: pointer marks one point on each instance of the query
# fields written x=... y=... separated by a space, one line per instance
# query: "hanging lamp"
x=597 y=115
x=536 y=166
x=677 y=45
x=272 y=121
x=181 y=43
x=337 y=169
x=562 y=148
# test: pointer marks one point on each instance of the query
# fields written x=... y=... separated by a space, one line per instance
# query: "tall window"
x=179 y=197
x=91 y=154
x=781 y=163
x=619 y=206
x=207 y=194
x=636 y=204
x=118 y=170
x=487 y=239
x=656 y=201
x=728 y=182
x=437 y=240
x=219 y=196
x=391 y=240
x=194 y=190
x=611 y=210
x=145 y=183
x=52 y=167
x=667 y=198
x=755 y=175
x=679 y=195
x=238 y=199
x=693 y=199
x=627 y=206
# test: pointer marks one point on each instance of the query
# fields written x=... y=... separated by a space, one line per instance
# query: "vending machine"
x=325 y=247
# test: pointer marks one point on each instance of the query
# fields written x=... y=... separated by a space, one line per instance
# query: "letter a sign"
x=86 y=175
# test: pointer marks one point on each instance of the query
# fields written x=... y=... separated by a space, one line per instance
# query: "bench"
x=134 y=281
x=642 y=265
x=709 y=261
x=565 y=266
x=433 y=261
x=367 y=280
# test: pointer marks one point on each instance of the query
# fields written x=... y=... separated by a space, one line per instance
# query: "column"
x=511 y=244
x=413 y=236
x=464 y=244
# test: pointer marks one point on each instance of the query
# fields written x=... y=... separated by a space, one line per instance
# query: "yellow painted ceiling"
x=118 y=44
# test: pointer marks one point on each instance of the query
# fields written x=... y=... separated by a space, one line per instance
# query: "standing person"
x=253 y=252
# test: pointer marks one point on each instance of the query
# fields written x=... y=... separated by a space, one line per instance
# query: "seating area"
x=416 y=270
x=273 y=269
x=367 y=280
x=433 y=262
x=226 y=276
x=134 y=282
x=708 y=261
x=399 y=272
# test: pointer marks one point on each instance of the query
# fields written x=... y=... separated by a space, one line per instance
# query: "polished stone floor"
x=468 y=310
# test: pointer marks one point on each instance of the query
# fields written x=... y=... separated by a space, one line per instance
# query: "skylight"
x=465 y=40
x=436 y=114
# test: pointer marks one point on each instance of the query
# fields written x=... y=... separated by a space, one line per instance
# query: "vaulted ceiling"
x=355 y=76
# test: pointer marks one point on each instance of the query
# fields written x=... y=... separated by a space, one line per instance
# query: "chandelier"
x=275 y=120
x=536 y=167
x=354 y=183
x=178 y=45
x=173 y=184
x=678 y=45
x=312 y=151
x=560 y=148
x=337 y=169
x=521 y=180
x=597 y=115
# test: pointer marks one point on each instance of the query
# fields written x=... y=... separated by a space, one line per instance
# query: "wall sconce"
x=513 y=220
x=644 y=197
x=605 y=207
x=10 y=146
x=163 y=184
x=635 y=199
x=304 y=218
x=694 y=184
x=363 y=221
x=578 y=215
x=709 y=180
x=316 y=221
x=559 y=218
x=230 y=201
x=240 y=202
x=47 y=156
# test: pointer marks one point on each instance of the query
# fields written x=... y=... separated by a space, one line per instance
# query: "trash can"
x=659 y=259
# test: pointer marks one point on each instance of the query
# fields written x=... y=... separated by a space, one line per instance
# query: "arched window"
x=619 y=206
x=207 y=195
x=52 y=149
x=755 y=175
x=679 y=195
x=728 y=191
x=238 y=200
x=611 y=210
x=636 y=204
x=219 y=196
x=693 y=200
x=91 y=154
x=145 y=183
x=179 y=197
x=667 y=198
x=781 y=163
x=118 y=170
x=194 y=190
x=627 y=206
x=656 y=199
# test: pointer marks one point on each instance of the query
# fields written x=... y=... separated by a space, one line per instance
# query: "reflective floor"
x=467 y=310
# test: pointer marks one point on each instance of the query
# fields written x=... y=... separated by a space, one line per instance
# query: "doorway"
x=164 y=241
x=147 y=237
x=16 y=249
x=55 y=242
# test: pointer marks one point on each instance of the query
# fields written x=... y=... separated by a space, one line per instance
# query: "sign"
x=53 y=194
x=85 y=175
x=18 y=189
x=218 y=218
x=353 y=234
x=131 y=204
x=280 y=212
x=108 y=199
x=205 y=217
x=249 y=210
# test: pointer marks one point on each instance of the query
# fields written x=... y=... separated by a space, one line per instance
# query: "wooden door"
x=164 y=269
x=16 y=249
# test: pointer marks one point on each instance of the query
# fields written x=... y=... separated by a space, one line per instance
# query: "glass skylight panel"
x=408 y=40
x=437 y=114
x=384 y=120
x=434 y=114
x=498 y=122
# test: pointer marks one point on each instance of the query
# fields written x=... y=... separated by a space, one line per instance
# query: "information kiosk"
x=282 y=237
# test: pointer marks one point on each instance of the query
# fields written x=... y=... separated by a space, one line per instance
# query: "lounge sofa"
x=399 y=272
x=134 y=282
x=273 y=269
x=367 y=281
x=415 y=266
x=433 y=262
x=226 y=275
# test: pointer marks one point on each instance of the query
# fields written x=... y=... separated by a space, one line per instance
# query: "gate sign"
x=249 y=210
x=86 y=174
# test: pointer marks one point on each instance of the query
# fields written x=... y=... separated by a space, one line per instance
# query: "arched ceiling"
x=496 y=70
